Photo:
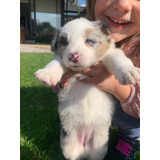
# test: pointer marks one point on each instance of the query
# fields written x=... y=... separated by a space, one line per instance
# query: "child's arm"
x=132 y=105
x=125 y=72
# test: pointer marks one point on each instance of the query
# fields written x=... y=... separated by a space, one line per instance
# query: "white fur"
x=85 y=111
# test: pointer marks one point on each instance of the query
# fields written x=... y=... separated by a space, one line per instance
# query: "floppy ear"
x=102 y=25
x=105 y=28
x=54 y=44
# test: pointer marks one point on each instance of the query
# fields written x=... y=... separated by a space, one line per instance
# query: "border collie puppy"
x=85 y=111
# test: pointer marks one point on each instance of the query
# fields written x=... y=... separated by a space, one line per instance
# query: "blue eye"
x=90 y=42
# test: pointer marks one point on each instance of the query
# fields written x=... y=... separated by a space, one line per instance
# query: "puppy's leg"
x=71 y=148
x=122 y=67
x=52 y=72
x=100 y=143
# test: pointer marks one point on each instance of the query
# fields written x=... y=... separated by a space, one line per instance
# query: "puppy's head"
x=81 y=43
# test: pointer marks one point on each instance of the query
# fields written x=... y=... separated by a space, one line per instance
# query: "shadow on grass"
x=39 y=124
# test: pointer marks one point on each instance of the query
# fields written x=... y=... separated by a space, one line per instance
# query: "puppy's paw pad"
x=46 y=77
x=128 y=76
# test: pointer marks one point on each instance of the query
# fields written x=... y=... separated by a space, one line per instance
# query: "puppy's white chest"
x=85 y=104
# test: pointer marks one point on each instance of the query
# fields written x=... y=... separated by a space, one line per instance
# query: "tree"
x=73 y=2
x=45 y=26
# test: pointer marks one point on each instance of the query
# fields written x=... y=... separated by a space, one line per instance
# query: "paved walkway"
x=35 y=48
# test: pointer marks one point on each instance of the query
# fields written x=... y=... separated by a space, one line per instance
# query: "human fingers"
x=88 y=80
x=70 y=74
x=65 y=78
x=93 y=70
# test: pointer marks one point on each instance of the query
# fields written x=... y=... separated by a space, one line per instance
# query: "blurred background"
x=39 y=19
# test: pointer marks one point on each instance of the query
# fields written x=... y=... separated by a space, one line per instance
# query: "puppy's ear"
x=54 y=44
x=102 y=26
x=105 y=28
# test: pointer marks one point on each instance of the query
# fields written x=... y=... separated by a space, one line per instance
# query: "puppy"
x=85 y=111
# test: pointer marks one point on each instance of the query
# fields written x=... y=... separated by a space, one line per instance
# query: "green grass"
x=39 y=118
x=40 y=130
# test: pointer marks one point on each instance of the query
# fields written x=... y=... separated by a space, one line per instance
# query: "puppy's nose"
x=74 y=57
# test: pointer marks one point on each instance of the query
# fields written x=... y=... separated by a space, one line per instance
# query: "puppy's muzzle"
x=74 y=57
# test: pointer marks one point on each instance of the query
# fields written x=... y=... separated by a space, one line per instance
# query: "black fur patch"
x=54 y=44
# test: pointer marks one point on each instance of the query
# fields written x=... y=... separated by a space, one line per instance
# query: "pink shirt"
x=132 y=105
x=132 y=51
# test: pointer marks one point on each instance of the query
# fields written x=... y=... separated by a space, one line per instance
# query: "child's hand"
x=104 y=80
x=65 y=78
x=99 y=77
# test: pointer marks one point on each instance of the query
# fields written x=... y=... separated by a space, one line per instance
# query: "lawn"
x=39 y=119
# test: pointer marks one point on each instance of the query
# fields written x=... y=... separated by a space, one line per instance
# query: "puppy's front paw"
x=46 y=77
x=128 y=75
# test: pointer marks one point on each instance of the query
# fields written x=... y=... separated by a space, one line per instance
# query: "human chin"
x=117 y=37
